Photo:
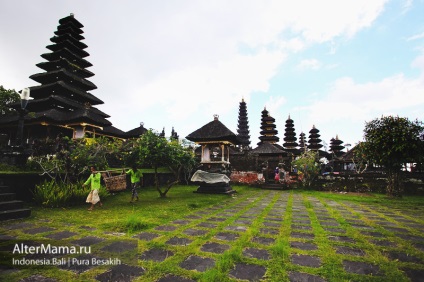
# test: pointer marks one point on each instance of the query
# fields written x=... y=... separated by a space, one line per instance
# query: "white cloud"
x=415 y=37
x=348 y=105
x=419 y=62
x=306 y=64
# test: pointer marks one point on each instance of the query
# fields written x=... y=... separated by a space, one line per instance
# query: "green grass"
x=119 y=217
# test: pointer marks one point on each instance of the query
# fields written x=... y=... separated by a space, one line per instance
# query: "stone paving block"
x=396 y=230
x=383 y=243
x=334 y=230
x=349 y=251
x=271 y=231
x=146 y=236
x=303 y=246
x=176 y=241
x=19 y=225
x=226 y=236
x=301 y=227
x=197 y=263
x=218 y=219
x=274 y=219
x=61 y=235
x=37 y=230
x=181 y=222
x=88 y=241
x=256 y=253
x=419 y=246
x=158 y=255
x=263 y=240
x=329 y=223
x=213 y=247
x=403 y=257
x=236 y=228
x=250 y=272
x=120 y=246
x=304 y=277
x=362 y=227
x=305 y=260
x=363 y=268
x=302 y=235
x=415 y=275
x=4 y=237
x=195 y=232
x=207 y=225
x=272 y=224
x=173 y=278
x=166 y=228
x=121 y=273
x=38 y=278
x=243 y=221
x=343 y=239
x=297 y=221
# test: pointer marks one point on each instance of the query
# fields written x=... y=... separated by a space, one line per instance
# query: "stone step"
x=4 y=197
x=274 y=186
x=11 y=205
x=14 y=214
x=4 y=189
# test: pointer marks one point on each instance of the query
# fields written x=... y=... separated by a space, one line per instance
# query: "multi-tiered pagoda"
x=336 y=147
x=63 y=103
x=268 y=131
x=243 y=126
x=290 y=139
x=315 y=141
x=302 y=142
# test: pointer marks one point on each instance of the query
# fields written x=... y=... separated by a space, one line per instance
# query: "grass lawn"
x=256 y=234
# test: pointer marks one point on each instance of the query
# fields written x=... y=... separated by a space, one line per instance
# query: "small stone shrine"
x=215 y=140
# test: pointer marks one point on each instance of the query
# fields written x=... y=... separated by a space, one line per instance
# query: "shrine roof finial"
x=215 y=117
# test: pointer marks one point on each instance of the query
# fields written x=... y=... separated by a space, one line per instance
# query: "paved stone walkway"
x=277 y=236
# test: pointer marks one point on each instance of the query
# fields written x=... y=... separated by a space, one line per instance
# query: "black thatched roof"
x=136 y=132
x=268 y=149
x=54 y=100
x=81 y=115
x=61 y=88
x=213 y=131
x=113 y=131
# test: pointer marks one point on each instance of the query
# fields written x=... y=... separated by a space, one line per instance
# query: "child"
x=94 y=181
x=136 y=175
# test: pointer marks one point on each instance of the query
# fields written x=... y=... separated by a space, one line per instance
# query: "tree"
x=7 y=97
x=391 y=142
x=155 y=151
x=308 y=166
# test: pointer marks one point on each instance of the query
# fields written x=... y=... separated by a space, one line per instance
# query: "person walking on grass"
x=136 y=177
x=94 y=181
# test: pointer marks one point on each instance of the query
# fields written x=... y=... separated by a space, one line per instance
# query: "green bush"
x=53 y=194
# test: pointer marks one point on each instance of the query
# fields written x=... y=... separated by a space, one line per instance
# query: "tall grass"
x=52 y=194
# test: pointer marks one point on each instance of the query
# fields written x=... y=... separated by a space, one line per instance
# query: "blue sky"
x=332 y=64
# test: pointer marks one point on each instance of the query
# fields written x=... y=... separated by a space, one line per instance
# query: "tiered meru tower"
x=314 y=141
x=243 y=126
x=336 y=147
x=268 y=131
x=290 y=143
x=62 y=103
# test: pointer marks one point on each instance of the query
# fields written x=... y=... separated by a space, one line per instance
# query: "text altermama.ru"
x=50 y=249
